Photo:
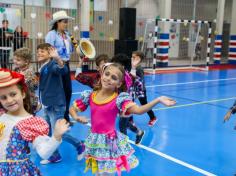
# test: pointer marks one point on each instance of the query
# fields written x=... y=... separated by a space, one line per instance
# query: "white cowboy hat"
x=60 y=15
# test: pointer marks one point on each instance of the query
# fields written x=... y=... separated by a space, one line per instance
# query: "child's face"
x=18 y=29
x=99 y=67
x=135 y=58
x=42 y=55
x=5 y=24
x=19 y=62
x=111 y=78
x=11 y=98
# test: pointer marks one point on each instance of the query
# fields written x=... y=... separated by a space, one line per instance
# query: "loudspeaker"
x=127 y=23
x=126 y=46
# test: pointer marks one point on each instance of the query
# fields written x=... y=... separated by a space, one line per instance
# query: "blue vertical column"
x=163 y=37
x=232 y=41
x=163 y=49
x=84 y=34
x=219 y=30
x=85 y=19
x=232 y=50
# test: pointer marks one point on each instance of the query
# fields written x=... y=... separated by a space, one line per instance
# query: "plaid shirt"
x=32 y=83
x=137 y=89
x=30 y=78
x=89 y=79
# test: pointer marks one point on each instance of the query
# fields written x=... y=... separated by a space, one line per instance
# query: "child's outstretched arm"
x=228 y=115
x=86 y=79
x=231 y=111
x=79 y=67
x=135 y=109
x=73 y=113
x=45 y=145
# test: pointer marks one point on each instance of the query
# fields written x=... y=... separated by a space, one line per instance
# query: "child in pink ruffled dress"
x=106 y=150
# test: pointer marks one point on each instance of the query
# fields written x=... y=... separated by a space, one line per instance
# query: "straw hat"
x=60 y=15
x=8 y=78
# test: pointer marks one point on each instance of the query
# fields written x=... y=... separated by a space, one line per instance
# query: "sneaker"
x=80 y=156
x=152 y=122
x=52 y=159
x=139 y=138
x=81 y=151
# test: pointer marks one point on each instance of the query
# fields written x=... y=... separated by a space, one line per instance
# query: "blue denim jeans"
x=51 y=115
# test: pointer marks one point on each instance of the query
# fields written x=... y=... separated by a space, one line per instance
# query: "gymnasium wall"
x=105 y=25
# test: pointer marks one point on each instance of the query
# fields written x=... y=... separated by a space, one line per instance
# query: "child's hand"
x=53 y=53
x=80 y=63
x=167 y=101
x=81 y=119
x=135 y=62
x=227 y=115
x=60 y=128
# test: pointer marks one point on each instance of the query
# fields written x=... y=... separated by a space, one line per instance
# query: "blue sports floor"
x=189 y=139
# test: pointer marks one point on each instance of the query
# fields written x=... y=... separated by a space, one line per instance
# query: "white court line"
x=193 y=82
x=168 y=157
x=173 y=159
x=192 y=104
x=174 y=84
x=74 y=93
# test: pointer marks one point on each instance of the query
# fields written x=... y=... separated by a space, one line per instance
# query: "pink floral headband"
x=105 y=66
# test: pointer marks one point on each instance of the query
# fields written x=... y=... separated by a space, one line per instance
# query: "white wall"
x=28 y=2
x=145 y=8
x=11 y=15
x=65 y=4
x=174 y=39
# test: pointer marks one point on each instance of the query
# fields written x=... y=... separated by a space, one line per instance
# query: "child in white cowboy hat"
x=59 y=38
x=18 y=128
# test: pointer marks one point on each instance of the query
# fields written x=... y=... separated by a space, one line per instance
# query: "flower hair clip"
x=106 y=65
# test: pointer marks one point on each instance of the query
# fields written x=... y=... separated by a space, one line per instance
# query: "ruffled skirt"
x=109 y=153
x=23 y=168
